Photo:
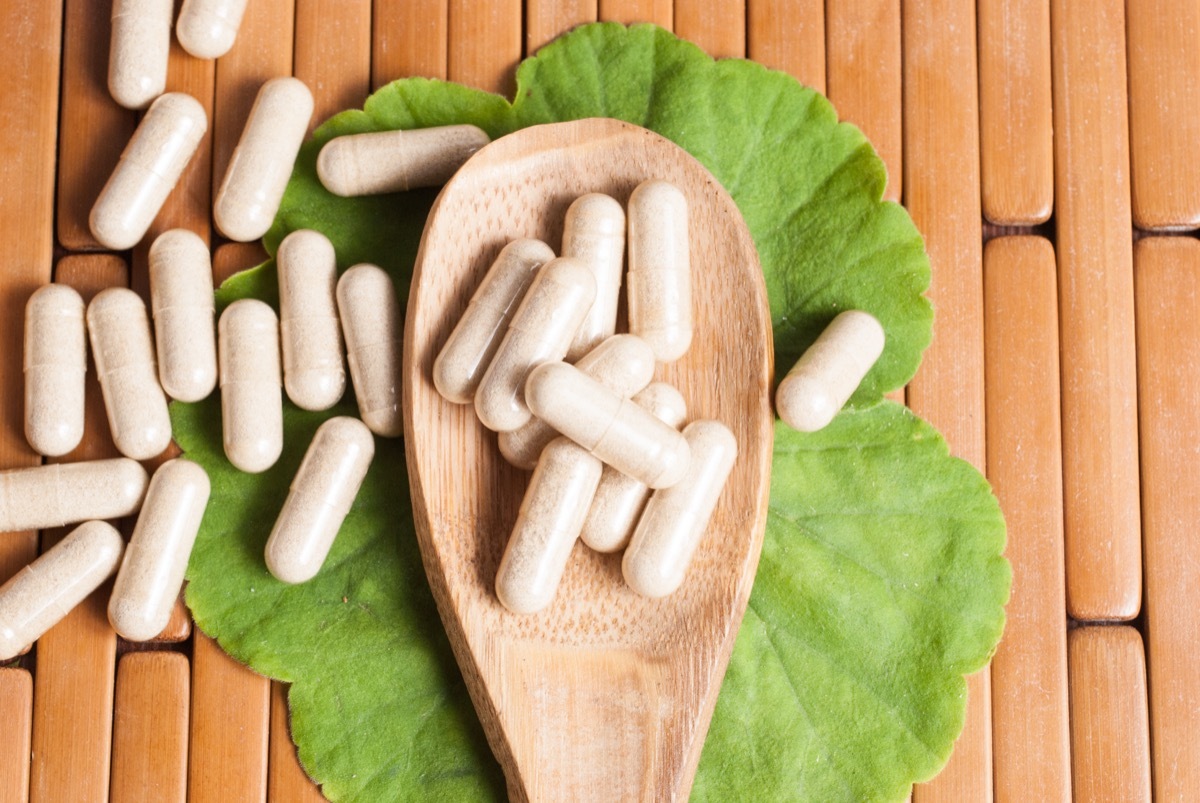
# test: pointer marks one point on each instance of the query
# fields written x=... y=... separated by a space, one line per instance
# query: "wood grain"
x=546 y=19
x=410 y=38
x=16 y=712
x=286 y=780
x=717 y=26
x=232 y=258
x=789 y=35
x=262 y=51
x=1024 y=458
x=333 y=54
x=73 y=683
x=484 y=44
x=150 y=729
x=1095 y=264
x=1164 y=120
x=941 y=185
x=600 y=659
x=1015 y=112
x=863 y=77
x=1168 y=329
x=95 y=127
x=660 y=12
x=1110 y=756
x=229 y=725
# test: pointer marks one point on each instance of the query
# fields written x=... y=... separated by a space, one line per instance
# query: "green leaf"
x=881 y=581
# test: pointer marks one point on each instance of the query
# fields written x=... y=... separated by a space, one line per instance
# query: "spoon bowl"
x=604 y=695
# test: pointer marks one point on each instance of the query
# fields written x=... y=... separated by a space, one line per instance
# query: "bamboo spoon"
x=605 y=695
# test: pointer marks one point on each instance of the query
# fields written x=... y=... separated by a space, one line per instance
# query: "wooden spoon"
x=604 y=695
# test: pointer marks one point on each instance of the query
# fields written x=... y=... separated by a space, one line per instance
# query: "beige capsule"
x=262 y=163
x=149 y=168
x=251 y=397
x=659 y=284
x=619 y=498
x=371 y=325
x=623 y=363
x=675 y=518
x=828 y=373
x=138 y=51
x=314 y=371
x=620 y=433
x=540 y=331
x=181 y=300
x=56 y=494
x=152 y=570
x=55 y=366
x=594 y=232
x=207 y=29
x=469 y=350
x=320 y=498
x=547 y=527
x=44 y=592
x=123 y=350
x=396 y=161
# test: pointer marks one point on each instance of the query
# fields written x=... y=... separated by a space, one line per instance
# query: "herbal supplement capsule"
x=181 y=299
x=137 y=55
x=470 y=348
x=123 y=351
x=675 y=518
x=208 y=28
x=151 y=573
x=251 y=401
x=826 y=375
x=55 y=366
x=149 y=168
x=262 y=163
x=371 y=324
x=55 y=494
x=620 y=498
x=333 y=470
x=594 y=232
x=314 y=372
x=547 y=527
x=660 y=274
x=623 y=363
x=396 y=161
x=617 y=431
x=540 y=331
x=39 y=596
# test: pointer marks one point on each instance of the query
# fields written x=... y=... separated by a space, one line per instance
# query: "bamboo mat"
x=1036 y=143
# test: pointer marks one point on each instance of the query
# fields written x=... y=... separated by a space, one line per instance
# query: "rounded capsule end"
x=133 y=622
x=676 y=459
x=315 y=389
x=54 y=440
x=548 y=383
x=386 y=423
x=204 y=35
x=805 y=404
x=648 y=577
x=253 y=455
x=334 y=164
x=286 y=568
x=191 y=386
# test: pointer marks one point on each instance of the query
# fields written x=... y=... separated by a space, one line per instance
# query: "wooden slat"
x=232 y=258
x=660 y=12
x=179 y=626
x=16 y=712
x=1029 y=671
x=1016 y=136
x=484 y=44
x=262 y=51
x=862 y=38
x=229 y=725
x=1110 y=750
x=409 y=39
x=1168 y=339
x=546 y=19
x=333 y=54
x=150 y=728
x=1164 y=119
x=717 y=26
x=287 y=782
x=95 y=127
x=941 y=184
x=789 y=35
x=1100 y=452
x=73 y=699
x=189 y=205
